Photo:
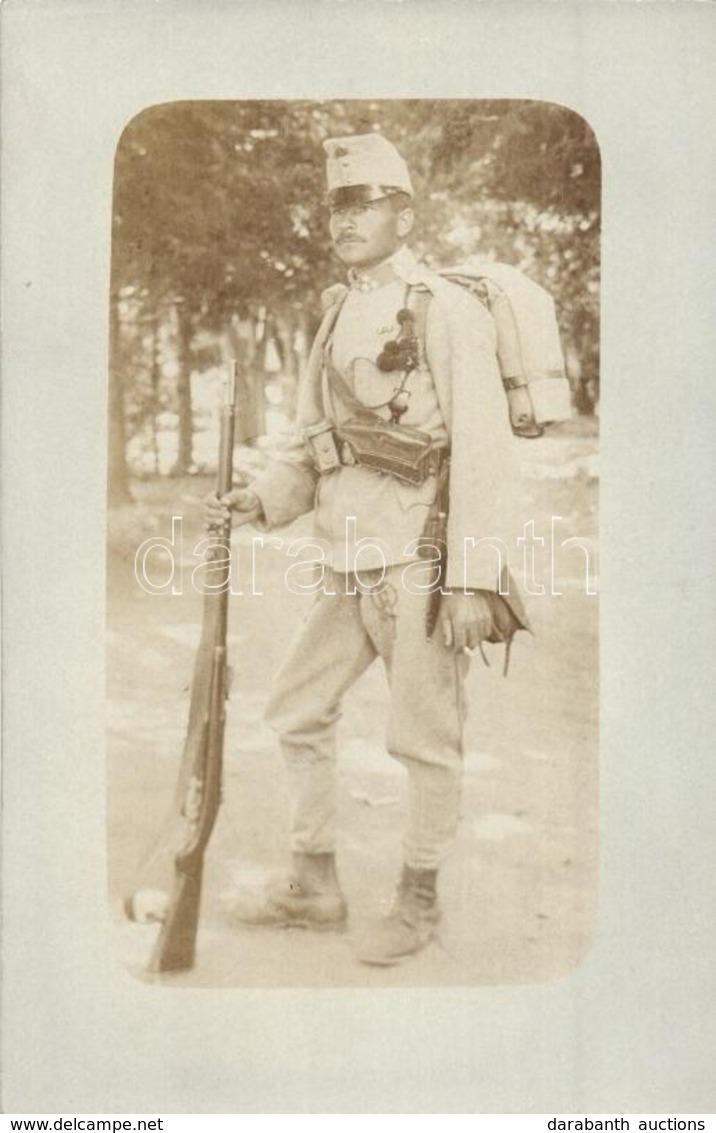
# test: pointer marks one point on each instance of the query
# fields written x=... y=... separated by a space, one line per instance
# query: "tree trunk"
x=285 y=332
x=155 y=406
x=185 y=441
x=118 y=493
x=291 y=361
x=586 y=394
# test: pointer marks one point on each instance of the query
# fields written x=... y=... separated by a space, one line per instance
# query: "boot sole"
x=376 y=960
x=302 y=925
x=385 y=962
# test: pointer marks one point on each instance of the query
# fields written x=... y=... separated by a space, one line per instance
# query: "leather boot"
x=309 y=897
x=410 y=925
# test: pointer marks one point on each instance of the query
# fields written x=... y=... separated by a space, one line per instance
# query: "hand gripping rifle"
x=199 y=788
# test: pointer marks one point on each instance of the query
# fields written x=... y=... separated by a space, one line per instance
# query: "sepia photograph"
x=357 y=540
x=354 y=396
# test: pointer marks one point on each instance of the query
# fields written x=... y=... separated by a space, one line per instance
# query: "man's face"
x=365 y=234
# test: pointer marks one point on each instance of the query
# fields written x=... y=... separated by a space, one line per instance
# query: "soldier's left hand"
x=465 y=619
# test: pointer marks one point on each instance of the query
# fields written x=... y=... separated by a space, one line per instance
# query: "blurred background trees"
x=220 y=247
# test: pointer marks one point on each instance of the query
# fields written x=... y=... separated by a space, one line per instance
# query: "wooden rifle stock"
x=199 y=788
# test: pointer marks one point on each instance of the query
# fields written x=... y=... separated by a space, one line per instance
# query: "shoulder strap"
x=337 y=384
x=416 y=299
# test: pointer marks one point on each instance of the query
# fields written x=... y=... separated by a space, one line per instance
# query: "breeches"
x=342 y=635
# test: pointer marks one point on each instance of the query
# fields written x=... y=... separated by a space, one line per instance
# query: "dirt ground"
x=519 y=894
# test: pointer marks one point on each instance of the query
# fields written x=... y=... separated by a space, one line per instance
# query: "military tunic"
x=388 y=513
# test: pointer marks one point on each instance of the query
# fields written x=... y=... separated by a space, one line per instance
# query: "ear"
x=406 y=219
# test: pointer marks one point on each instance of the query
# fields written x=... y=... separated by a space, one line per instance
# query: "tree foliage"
x=219 y=214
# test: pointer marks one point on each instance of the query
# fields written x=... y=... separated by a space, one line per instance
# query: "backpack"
x=529 y=353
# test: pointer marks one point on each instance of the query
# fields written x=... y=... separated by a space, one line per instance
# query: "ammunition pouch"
x=398 y=450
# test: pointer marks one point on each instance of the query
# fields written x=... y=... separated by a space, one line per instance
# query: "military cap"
x=364 y=167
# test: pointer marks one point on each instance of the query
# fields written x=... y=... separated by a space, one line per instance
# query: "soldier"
x=402 y=387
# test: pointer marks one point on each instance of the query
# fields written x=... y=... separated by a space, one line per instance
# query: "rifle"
x=198 y=794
